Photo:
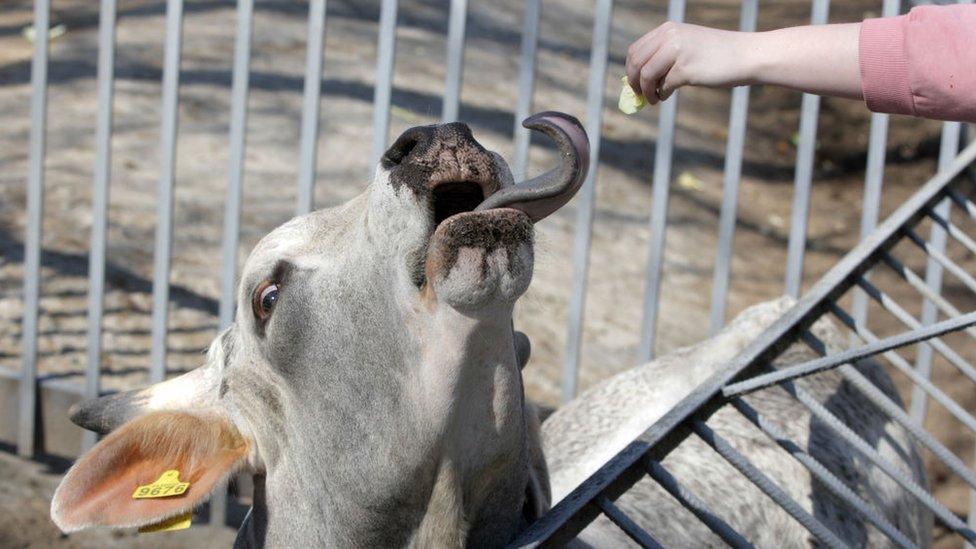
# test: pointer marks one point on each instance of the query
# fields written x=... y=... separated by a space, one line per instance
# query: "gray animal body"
x=371 y=380
x=587 y=432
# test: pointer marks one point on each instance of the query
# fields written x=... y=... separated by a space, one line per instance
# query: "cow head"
x=370 y=377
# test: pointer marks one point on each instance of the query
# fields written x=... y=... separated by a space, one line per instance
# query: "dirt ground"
x=621 y=233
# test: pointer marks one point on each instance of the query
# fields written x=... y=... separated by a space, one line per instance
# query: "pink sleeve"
x=922 y=63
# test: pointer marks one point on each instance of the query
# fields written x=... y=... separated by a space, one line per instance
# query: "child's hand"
x=679 y=54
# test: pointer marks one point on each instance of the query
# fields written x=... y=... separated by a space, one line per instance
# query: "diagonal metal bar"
x=625 y=523
x=834 y=484
x=963 y=202
x=764 y=483
x=941 y=512
x=848 y=356
x=955 y=232
x=905 y=368
x=942 y=260
x=896 y=413
x=907 y=319
x=916 y=282
x=693 y=503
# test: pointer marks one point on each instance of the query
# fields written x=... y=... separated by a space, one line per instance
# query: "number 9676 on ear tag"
x=168 y=484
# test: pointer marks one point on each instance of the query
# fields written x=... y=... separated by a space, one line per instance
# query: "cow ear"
x=98 y=490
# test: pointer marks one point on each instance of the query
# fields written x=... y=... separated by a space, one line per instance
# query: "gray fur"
x=384 y=403
x=584 y=434
x=383 y=408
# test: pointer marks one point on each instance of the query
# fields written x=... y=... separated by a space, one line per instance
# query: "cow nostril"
x=404 y=144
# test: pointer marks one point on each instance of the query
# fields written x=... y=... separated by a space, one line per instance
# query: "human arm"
x=676 y=54
x=920 y=63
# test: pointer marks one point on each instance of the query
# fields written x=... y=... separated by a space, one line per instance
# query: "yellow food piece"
x=179 y=522
x=629 y=102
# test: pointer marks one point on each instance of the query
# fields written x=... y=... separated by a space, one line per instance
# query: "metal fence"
x=573 y=514
x=753 y=370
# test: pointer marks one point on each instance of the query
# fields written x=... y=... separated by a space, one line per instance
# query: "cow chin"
x=479 y=259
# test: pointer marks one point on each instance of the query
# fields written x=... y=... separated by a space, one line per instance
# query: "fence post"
x=661 y=189
x=455 y=60
x=311 y=101
x=164 y=210
x=803 y=178
x=526 y=86
x=384 y=80
x=32 y=243
x=738 y=114
x=100 y=194
x=586 y=202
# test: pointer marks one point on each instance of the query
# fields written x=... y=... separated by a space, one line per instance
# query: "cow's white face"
x=371 y=365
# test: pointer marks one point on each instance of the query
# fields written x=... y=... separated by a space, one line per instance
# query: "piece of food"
x=629 y=102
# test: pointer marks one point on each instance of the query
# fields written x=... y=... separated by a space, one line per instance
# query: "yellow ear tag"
x=179 y=522
x=629 y=102
x=166 y=486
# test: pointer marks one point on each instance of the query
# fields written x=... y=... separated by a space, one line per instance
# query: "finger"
x=640 y=57
x=668 y=85
x=654 y=71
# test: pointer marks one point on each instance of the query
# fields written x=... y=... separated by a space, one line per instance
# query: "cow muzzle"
x=480 y=247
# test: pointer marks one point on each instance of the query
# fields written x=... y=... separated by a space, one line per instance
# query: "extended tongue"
x=540 y=196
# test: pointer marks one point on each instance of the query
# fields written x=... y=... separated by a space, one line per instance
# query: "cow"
x=371 y=378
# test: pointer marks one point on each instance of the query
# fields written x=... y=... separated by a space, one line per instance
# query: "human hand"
x=679 y=54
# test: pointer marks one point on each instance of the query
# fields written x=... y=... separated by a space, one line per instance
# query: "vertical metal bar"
x=874 y=173
x=526 y=86
x=384 y=79
x=164 y=209
x=103 y=169
x=948 y=150
x=455 y=60
x=966 y=138
x=803 y=178
x=232 y=206
x=238 y=142
x=659 y=209
x=738 y=114
x=32 y=240
x=311 y=99
x=586 y=202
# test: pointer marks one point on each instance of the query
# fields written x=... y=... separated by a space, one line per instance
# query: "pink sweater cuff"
x=884 y=66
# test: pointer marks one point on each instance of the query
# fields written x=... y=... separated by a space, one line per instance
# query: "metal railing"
x=753 y=370
x=650 y=448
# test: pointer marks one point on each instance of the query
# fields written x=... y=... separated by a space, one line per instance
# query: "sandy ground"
x=620 y=237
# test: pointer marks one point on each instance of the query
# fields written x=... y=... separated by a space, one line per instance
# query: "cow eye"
x=264 y=299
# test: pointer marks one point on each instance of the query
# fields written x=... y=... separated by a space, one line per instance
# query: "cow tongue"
x=540 y=196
